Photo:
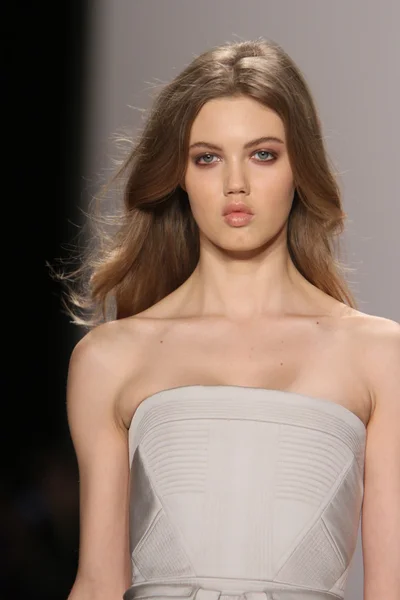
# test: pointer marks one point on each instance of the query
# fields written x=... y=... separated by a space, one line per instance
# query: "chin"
x=243 y=249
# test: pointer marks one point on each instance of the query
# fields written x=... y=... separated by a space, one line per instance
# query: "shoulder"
x=370 y=328
x=379 y=345
x=375 y=330
x=115 y=351
x=373 y=334
x=107 y=344
x=99 y=366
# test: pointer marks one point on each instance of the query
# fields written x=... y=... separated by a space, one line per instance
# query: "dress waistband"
x=189 y=591
x=149 y=591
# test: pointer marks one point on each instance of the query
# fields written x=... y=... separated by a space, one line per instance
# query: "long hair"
x=155 y=246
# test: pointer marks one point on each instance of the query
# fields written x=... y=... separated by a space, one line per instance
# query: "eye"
x=265 y=152
x=206 y=157
x=196 y=160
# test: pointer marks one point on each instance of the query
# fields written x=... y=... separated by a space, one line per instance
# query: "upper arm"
x=101 y=447
x=381 y=505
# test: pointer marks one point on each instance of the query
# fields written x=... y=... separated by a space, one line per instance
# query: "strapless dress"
x=242 y=492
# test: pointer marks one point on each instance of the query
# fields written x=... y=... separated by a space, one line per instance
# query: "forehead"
x=238 y=116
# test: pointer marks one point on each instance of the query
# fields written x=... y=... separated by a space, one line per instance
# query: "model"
x=233 y=413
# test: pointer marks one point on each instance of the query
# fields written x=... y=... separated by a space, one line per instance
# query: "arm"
x=381 y=505
x=101 y=447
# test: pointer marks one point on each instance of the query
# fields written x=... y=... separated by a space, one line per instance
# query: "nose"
x=236 y=181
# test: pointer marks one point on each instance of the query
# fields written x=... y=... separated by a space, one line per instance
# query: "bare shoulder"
x=99 y=365
x=374 y=330
x=110 y=346
x=379 y=344
x=370 y=328
x=102 y=342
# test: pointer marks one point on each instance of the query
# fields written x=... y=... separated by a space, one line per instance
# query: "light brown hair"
x=155 y=247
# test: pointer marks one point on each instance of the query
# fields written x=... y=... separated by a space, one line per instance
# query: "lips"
x=237 y=207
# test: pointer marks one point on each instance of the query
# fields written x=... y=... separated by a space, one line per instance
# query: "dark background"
x=43 y=76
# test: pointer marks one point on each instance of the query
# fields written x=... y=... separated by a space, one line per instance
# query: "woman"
x=220 y=412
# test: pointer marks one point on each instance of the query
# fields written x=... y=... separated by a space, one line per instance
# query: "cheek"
x=273 y=178
x=204 y=194
x=202 y=206
x=276 y=190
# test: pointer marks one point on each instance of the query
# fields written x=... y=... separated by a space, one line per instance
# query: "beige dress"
x=241 y=491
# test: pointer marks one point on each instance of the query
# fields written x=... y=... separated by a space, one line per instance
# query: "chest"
x=308 y=357
x=282 y=351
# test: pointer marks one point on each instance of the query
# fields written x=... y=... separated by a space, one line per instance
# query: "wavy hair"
x=155 y=245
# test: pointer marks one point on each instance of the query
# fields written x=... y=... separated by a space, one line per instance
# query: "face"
x=223 y=167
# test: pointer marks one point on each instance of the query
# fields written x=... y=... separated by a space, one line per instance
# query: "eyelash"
x=197 y=158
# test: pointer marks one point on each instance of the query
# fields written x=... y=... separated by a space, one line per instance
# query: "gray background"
x=349 y=52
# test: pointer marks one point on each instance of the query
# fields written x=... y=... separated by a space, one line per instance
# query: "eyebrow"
x=261 y=140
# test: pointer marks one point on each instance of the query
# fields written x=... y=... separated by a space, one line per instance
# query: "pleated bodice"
x=240 y=491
